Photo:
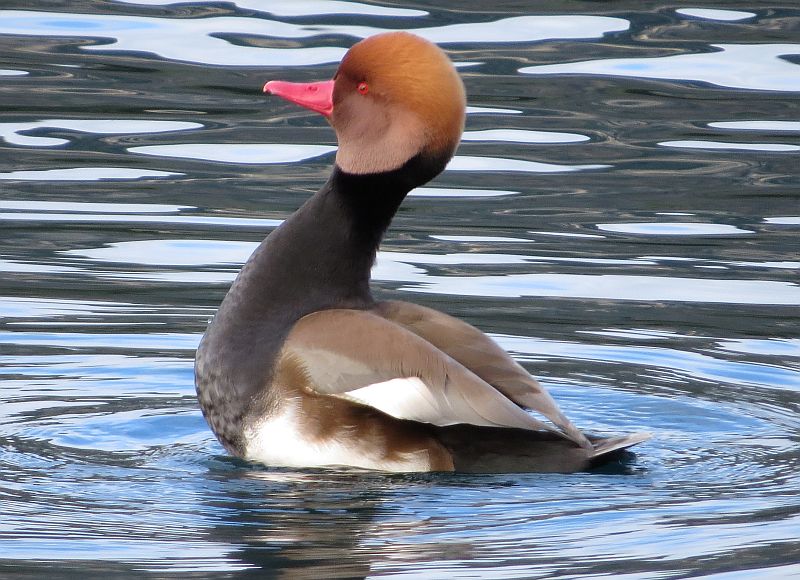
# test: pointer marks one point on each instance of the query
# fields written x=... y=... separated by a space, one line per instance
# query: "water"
x=622 y=216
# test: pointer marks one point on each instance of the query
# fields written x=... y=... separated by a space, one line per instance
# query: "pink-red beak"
x=315 y=96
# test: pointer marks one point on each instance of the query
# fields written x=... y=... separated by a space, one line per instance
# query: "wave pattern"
x=622 y=216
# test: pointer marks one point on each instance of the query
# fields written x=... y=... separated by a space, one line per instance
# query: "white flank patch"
x=403 y=398
x=280 y=441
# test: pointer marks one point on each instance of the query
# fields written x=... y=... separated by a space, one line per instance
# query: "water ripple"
x=85 y=174
x=689 y=364
x=632 y=242
x=698 y=144
x=178 y=220
x=404 y=267
x=200 y=39
x=674 y=229
x=712 y=14
x=13 y=132
x=522 y=136
x=741 y=66
x=757 y=125
x=474 y=163
x=237 y=153
x=515 y=29
x=90 y=207
x=304 y=7
x=614 y=287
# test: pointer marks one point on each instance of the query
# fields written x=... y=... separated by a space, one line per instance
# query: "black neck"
x=372 y=200
x=324 y=252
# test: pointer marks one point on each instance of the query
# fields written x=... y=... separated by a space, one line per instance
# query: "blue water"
x=622 y=215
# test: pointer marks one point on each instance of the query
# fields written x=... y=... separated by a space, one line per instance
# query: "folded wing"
x=481 y=355
x=370 y=359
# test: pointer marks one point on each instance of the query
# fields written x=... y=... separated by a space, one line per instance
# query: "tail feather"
x=604 y=446
x=503 y=450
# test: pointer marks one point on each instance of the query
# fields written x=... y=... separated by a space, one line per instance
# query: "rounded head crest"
x=399 y=90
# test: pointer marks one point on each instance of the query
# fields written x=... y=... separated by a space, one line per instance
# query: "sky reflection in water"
x=405 y=268
x=744 y=66
x=196 y=39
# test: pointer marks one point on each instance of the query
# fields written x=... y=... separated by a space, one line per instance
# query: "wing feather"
x=480 y=354
x=361 y=356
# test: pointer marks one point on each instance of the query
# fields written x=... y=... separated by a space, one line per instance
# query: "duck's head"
x=394 y=96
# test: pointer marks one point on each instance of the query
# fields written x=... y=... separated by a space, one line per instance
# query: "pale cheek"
x=378 y=139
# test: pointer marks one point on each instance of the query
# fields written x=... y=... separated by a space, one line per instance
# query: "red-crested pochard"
x=303 y=367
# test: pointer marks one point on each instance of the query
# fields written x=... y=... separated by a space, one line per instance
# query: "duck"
x=303 y=367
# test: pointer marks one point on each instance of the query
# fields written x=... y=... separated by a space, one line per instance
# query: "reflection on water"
x=12 y=132
x=674 y=229
x=83 y=174
x=200 y=39
x=500 y=164
x=307 y=7
x=758 y=125
x=711 y=14
x=721 y=145
x=521 y=136
x=622 y=216
x=744 y=66
x=236 y=153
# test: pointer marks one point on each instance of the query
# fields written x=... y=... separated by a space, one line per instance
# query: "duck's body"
x=302 y=367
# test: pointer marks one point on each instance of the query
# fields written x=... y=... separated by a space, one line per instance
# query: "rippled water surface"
x=622 y=215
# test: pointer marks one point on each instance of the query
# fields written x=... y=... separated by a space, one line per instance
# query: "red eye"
x=363 y=88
